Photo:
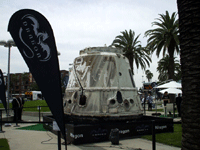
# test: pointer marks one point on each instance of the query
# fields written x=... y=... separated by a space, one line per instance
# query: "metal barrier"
x=39 y=116
x=39 y=110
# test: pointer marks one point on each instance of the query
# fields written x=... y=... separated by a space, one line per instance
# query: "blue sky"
x=78 y=24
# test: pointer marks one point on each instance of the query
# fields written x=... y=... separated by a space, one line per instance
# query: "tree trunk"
x=171 y=60
x=189 y=24
x=171 y=67
x=130 y=58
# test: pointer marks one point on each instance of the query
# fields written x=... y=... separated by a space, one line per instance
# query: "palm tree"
x=189 y=18
x=132 y=49
x=165 y=38
x=177 y=71
x=163 y=69
x=149 y=75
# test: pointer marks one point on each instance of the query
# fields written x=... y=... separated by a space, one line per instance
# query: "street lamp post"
x=8 y=44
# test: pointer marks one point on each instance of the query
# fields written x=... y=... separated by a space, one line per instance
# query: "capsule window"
x=119 y=97
x=112 y=101
x=126 y=103
x=82 y=100
x=79 y=60
x=69 y=101
x=131 y=101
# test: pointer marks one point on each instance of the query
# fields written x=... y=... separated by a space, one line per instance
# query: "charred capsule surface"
x=101 y=85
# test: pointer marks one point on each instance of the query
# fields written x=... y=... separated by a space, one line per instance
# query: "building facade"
x=20 y=83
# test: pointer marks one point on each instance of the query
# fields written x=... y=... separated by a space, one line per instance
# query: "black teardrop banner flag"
x=2 y=91
x=34 y=38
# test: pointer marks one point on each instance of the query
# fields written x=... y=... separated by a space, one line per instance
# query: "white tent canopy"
x=171 y=84
x=171 y=91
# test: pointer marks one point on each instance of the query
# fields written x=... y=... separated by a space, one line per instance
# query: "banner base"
x=16 y=126
x=82 y=133
x=7 y=124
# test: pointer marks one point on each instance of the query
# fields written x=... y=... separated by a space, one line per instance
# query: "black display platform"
x=79 y=133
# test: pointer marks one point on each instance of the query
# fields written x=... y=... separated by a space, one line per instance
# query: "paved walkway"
x=40 y=140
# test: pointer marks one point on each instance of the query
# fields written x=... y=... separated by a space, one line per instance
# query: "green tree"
x=132 y=49
x=34 y=87
x=189 y=21
x=149 y=75
x=25 y=76
x=163 y=69
x=165 y=37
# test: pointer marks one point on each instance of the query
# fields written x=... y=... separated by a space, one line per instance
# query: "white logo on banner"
x=34 y=39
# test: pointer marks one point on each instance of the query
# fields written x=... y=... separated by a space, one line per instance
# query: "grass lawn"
x=34 y=104
x=4 y=144
x=173 y=139
x=37 y=127
x=160 y=110
x=171 y=116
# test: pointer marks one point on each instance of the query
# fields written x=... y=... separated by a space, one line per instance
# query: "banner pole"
x=1 y=126
x=8 y=82
x=153 y=136
x=39 y=113
x=59 y=140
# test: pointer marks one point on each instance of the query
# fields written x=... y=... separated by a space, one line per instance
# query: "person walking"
x=178 y=104
x=21 y=102
x=166 y=100
x=17 y=106
x=150 y=101
x=142 y=102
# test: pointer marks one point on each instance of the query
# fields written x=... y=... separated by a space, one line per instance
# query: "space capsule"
x=101 y=85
